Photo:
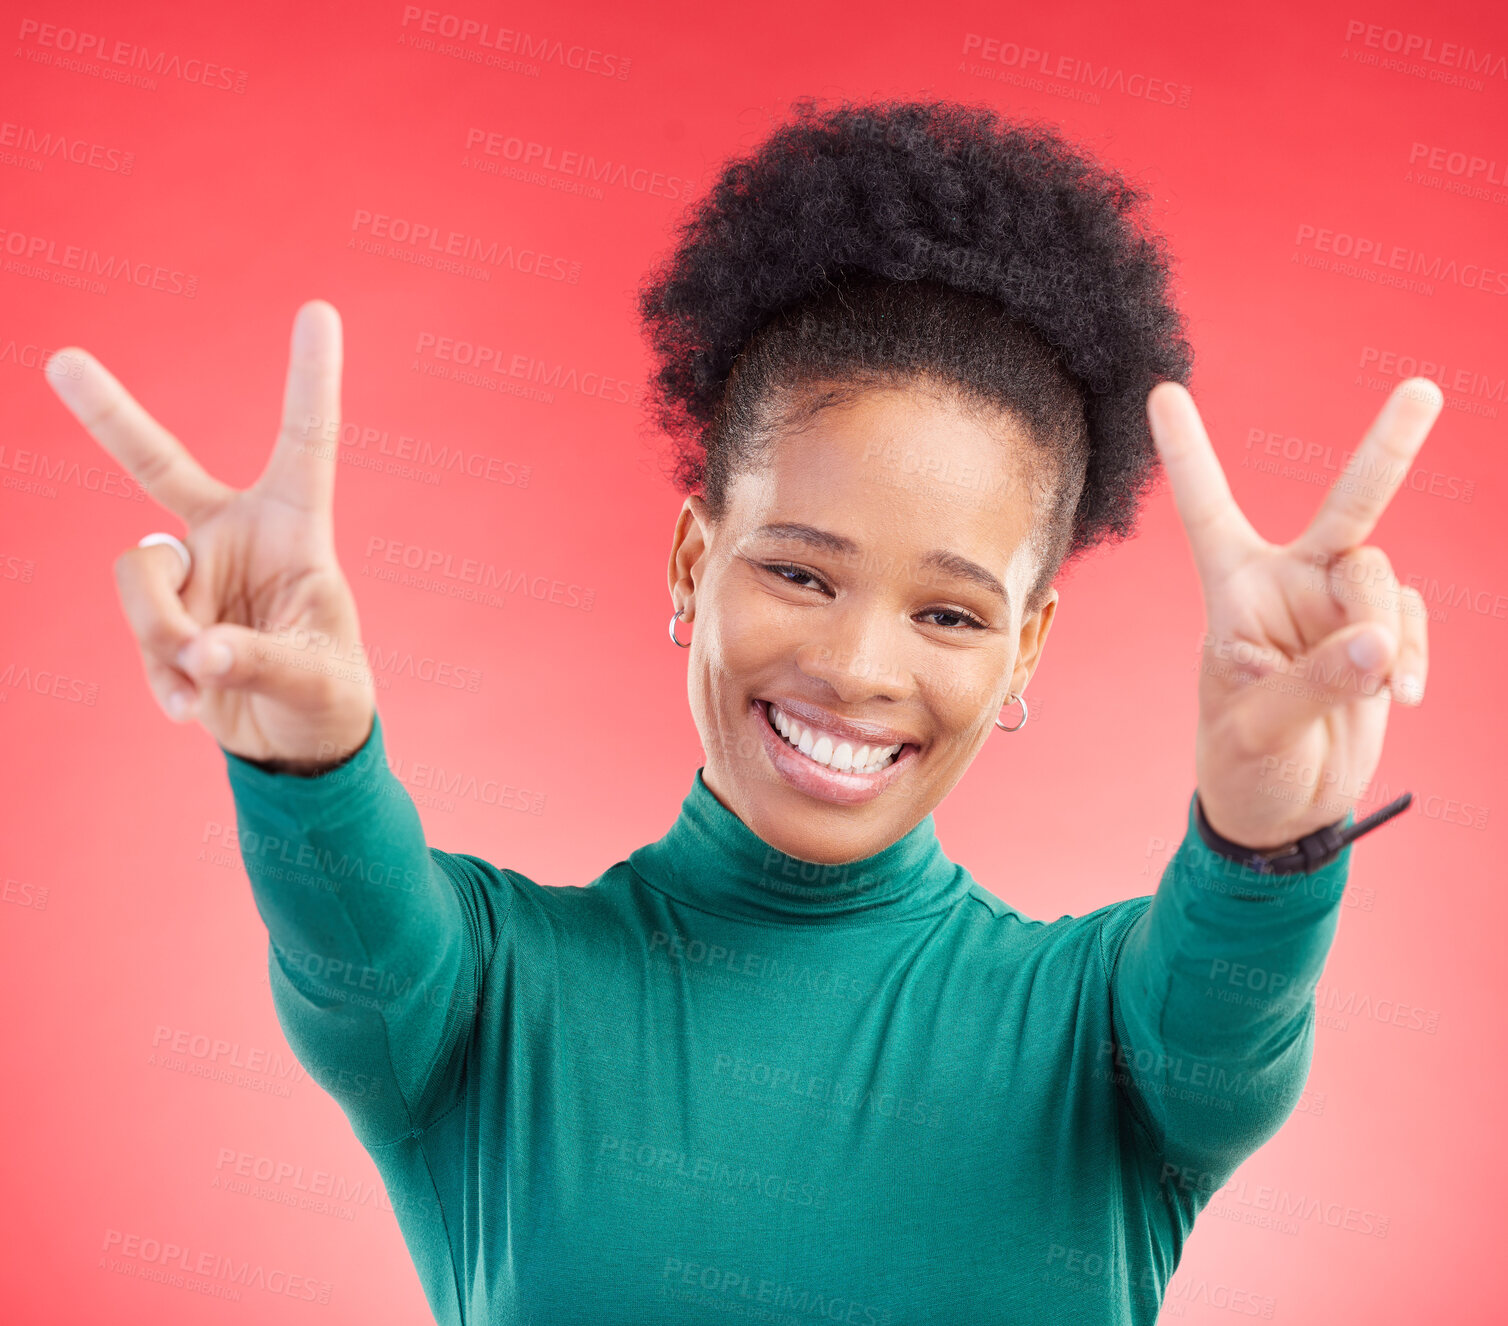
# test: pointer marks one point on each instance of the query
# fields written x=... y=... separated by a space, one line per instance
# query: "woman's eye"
x=957 y=618
x=793 y=574
x=802 y=579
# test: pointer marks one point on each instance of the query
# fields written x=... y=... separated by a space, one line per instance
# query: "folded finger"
x=147 y=580
x=1412 y=667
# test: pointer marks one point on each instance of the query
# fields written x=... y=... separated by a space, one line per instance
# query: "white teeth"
x=819 y=746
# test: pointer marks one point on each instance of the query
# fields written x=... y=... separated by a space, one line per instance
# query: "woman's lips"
x=818 y=780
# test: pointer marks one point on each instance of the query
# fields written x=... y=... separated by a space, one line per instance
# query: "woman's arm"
x=1308 y=645
x=378 y=942
x=1212 y=993
x=249 y=626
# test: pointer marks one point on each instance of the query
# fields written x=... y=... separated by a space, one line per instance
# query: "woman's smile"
x=826 y=756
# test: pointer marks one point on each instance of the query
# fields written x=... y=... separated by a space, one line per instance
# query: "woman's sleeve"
x=378 y=942
x=1212 y=994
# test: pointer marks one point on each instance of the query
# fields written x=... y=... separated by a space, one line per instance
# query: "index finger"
x=1219 y=534
x=1361 y=494
x=160 y=463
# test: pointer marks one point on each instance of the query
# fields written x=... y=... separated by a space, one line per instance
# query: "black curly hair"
x=921 y=243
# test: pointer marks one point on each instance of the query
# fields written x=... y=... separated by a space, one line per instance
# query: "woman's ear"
x=687 y=545
x=1033 y=640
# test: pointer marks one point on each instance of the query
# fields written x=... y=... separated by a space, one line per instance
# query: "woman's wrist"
x=1304 y=854
x=309 y=767
x=301 y=768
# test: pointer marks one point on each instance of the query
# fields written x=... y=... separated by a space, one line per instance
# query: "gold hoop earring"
x=675 y=617
x=1011 y=699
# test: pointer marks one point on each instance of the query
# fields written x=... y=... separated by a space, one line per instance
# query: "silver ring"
x=675 y=617
x=173 y=542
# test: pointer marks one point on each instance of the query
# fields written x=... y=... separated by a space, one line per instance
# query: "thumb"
x=1351 y=663
x=238 y=658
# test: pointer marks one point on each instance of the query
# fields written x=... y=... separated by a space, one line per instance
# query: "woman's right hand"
x=261 y=642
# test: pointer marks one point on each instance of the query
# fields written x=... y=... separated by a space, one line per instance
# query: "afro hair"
x=900 y=240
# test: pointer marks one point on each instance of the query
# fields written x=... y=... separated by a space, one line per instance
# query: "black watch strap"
x=1308 y=853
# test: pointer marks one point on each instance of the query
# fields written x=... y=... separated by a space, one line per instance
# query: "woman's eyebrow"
x=818 y=538
x=950 y=562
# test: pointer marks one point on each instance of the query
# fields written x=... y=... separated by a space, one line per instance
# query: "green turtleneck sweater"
x=721 y=1082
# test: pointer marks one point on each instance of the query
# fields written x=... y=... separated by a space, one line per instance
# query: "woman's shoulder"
x=517 y=898
x=1003 y=925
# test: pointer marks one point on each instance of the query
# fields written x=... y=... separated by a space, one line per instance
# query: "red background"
x=147 y=928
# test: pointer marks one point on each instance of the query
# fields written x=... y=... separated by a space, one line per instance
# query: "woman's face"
x=866 y=584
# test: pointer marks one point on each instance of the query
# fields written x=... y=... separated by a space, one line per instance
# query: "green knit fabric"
x=720 y=1082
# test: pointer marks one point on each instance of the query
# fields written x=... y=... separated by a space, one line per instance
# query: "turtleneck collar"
x=712 y=860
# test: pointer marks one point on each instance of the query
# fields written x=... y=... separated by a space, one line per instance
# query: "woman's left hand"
x=1306 y=643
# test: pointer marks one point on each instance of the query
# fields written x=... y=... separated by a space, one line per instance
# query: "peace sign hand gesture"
x=261 y=642
x=1307 y=642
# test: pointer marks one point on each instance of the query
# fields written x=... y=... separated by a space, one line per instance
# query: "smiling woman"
x=907 y=348
x=789 y=1060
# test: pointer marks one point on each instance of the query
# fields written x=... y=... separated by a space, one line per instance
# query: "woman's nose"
x=860 y=655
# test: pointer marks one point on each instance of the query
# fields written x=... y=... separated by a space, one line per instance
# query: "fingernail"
x=1367 y=650
x=1409 y=689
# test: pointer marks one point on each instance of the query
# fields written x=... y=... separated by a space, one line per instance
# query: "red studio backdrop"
x=1333 y=179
